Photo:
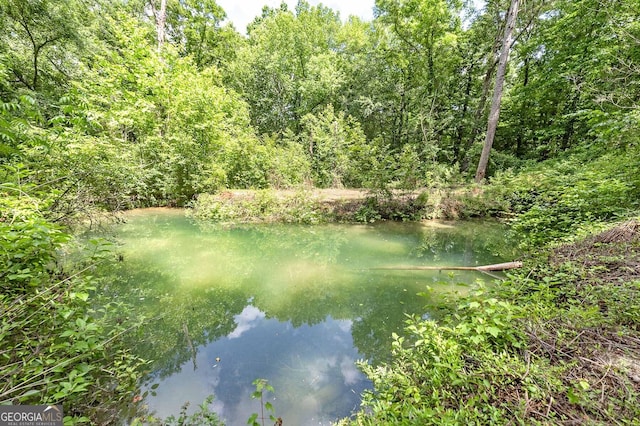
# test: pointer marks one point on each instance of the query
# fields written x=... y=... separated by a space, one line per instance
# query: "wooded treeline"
x=97 y=107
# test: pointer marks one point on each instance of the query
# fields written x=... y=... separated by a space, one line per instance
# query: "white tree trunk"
x=161 y=21
x=494 y=114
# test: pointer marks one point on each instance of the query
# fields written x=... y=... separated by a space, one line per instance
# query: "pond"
x=295 y=305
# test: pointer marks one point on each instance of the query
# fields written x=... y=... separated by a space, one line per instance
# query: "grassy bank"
x=310 y=206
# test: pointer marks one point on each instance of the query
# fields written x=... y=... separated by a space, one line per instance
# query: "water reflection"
x=295 y=305
x=312 y=369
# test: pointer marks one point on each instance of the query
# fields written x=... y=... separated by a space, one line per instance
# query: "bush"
x=391 y=206
x=258 y=206
x=554 y=343
x=559 y=199
x=57 y=347
x=456 y=372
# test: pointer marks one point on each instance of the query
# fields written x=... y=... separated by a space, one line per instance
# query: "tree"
x=494 y=114
x=37 y=38
x=332 y=142
x=194 y=27
x=287 y=68
x=575 y=80
x=160 y=15
x=417 y=58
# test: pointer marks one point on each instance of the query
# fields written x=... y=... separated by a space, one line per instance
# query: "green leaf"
x=253 y=419
x=494 y=331
x=29 y=393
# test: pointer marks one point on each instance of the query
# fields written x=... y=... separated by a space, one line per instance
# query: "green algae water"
x=295 y=305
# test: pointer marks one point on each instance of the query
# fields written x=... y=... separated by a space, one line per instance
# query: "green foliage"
x=263 y=387
x=57 y=347
x=258 y=206
x=43 y=36
x=451 y=373
x=29 y=245
x=93 y=116
x=556 y=200
x=399 y=102
x=195 y=27
x=202 y=416
x=306 y=207
x=186 y=133
x=14 y=125
x=488 y=321
x=140 y=129
x=287 y=69
x=336 y=146
x=289 y=165
x=565 y=93
x=392 y=206
x=369 y=212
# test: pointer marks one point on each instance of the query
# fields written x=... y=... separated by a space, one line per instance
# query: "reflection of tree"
x=178 y=320
x=382 y=312
x=471 y=242
x=273 y=243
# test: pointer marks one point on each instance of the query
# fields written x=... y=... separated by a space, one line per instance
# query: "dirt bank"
x=322 y=195
x=594 y=337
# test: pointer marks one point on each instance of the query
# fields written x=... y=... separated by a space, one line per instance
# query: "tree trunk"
x=161 y=21
x=494 y=267
x=494 y=114
x=477 y=116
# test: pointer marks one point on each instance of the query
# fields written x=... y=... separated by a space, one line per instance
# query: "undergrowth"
x=562 y=199
x=257 y=206
x=555 y=343
x=56 y=346
x=304 y=207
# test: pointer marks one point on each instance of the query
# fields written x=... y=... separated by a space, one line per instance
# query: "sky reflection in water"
x=312 y=369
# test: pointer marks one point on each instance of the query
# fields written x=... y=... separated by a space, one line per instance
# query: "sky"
x=242 y=12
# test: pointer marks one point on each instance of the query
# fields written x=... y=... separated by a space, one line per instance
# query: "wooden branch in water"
x=483 y=268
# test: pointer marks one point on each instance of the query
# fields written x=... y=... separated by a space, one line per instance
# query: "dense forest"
x=109 y=105
x=120 y=105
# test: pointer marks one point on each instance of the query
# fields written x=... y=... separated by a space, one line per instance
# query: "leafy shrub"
x=390 y=206
x=289 y=165
x=28 y=245
x=57 y=347
x=454 y=373
x=557 y=199
x=203 y=416
x=258 y=206
x=331 y=141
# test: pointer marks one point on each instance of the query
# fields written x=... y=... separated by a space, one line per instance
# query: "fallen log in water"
x=483 y=268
